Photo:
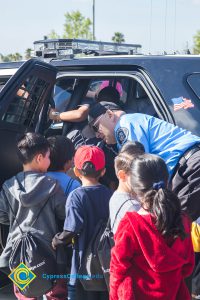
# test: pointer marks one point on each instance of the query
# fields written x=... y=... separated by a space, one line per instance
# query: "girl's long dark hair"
x=149 y=177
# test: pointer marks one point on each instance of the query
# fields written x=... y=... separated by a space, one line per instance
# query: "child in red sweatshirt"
x=153 y=252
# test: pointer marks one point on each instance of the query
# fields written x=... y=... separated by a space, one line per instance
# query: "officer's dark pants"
x=186 y=184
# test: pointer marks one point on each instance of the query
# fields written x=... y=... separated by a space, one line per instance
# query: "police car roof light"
x=67 y=48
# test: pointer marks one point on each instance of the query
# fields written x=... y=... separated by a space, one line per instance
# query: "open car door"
x=22 y=103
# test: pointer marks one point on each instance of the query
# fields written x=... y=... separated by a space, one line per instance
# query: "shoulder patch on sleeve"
x=122 y=135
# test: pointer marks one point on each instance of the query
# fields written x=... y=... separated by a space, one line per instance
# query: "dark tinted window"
x=24 y=105
x=194 y=82
x=62 y=92
x=3 y=82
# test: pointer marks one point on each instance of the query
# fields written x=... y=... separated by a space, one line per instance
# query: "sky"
x=158 y=25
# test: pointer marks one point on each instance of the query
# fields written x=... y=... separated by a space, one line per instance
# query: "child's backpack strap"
x=118 y=212
x=90 y=263
x=30 y=249
x=15 y=217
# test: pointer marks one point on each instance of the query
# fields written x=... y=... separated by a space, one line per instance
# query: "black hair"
x=128 y=152
x=88 y=170
x=108 y=94
x=31 y=144
x=132 y=148
x=149 y=178
x=61 y=151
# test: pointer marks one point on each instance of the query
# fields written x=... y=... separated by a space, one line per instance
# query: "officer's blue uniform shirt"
x=158 y=137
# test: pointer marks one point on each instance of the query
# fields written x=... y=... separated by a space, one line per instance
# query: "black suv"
x=164 y=86
x=167 y=87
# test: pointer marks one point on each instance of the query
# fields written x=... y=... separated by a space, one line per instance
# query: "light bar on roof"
x=60 y=48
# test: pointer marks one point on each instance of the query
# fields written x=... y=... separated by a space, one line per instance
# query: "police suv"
x=167 y=87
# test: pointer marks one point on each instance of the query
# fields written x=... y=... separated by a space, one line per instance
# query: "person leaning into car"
x=179 y=148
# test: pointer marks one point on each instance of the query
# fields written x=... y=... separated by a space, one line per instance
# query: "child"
x=196 y=246
x=85 y=207
x=122 y=199
x=27 y=192
x=153 y=251
x=61 y=156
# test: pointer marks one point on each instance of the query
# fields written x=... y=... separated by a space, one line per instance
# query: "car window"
x=24 y=105
x=63 y=90
x=69 y=93
x=120 y=84
x=3 y=82
x=194 y=82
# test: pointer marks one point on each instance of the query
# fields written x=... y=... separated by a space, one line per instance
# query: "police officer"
x=178 y=147
x=81 y=134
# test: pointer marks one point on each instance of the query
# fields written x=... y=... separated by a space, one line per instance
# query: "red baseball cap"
x=92 y=154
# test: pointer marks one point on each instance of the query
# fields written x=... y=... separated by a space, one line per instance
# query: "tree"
x=118 y=37
x=17 y=56
x=28 y=53
x=6 y=58
x=197 y=43
x=11 y=57
x=53 y=35
x=77 y=26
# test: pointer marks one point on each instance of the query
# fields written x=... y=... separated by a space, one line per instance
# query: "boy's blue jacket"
x=27 y=192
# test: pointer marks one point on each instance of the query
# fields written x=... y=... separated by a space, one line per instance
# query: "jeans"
x=77 y=292
x=71 y=292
